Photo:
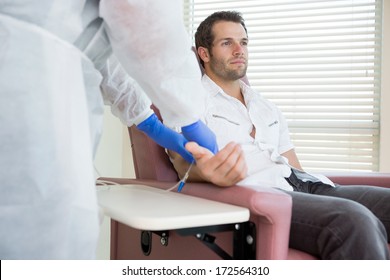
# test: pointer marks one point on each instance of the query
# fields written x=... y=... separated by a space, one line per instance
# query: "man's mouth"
x=238 y=61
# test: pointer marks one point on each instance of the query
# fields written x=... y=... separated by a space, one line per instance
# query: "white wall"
x=113 y=159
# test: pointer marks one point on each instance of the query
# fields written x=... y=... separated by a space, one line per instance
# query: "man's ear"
x=204 y=54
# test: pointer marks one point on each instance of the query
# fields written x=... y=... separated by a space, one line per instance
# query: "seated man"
x=328 y=221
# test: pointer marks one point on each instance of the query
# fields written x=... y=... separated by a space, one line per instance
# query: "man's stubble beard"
x=220 y=69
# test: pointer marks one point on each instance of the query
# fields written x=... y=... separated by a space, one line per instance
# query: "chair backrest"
x=150 y=160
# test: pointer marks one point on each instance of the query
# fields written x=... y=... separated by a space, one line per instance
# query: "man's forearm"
x=181 y=166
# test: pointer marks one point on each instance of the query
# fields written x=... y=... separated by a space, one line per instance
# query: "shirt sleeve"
x=151 y=43
x=285 y=143
x=126 y=98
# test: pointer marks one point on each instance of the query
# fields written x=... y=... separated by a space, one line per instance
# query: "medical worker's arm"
x=125 y=97
x=165 y=136
x=226 y=168
x=151 y=43
x=130 y=104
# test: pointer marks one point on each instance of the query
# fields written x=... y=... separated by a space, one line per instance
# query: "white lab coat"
x=51 y=109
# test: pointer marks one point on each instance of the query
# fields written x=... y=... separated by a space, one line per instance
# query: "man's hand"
x=226 y=168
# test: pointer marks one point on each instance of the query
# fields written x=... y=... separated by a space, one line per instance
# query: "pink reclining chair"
x=268 y=229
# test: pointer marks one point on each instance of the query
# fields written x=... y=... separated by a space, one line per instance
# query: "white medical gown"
x=123 y=94
x=51 y=109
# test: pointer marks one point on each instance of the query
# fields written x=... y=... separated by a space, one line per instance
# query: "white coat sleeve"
x=150 y=41
x=126 y=98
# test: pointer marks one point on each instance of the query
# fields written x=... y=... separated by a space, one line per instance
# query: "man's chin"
x=238 y=75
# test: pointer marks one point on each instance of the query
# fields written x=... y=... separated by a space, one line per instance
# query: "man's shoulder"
x=256 y=96
x=251 y=92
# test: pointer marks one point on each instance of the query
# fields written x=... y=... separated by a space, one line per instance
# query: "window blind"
x=319 y=61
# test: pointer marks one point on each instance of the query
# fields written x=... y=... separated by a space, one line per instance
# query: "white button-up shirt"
x=233 y=121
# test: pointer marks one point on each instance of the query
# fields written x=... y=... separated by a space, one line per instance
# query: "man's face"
x=229 y=52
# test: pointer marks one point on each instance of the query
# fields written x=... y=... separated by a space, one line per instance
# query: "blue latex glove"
x=198 y=132
x=165 y=136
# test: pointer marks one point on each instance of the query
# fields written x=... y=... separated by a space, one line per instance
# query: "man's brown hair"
x=204 y=36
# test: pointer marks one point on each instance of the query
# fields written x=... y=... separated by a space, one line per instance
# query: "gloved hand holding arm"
x=198 y=132
x=130 y=104
x=165 y=136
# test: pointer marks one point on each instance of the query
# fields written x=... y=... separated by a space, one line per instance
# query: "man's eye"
x=226 y=43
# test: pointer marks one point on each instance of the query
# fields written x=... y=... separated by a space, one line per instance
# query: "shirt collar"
x=211 y=86
x=214 y=89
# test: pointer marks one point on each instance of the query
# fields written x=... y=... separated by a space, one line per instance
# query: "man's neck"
x=231 y=88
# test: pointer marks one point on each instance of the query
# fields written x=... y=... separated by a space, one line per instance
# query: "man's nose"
x=238 y=49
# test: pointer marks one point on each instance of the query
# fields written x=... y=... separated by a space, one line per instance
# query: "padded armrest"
x=270 y=210
x=267 y=202
x=360 y=178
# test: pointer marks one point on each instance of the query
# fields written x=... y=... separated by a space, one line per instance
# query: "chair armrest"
x=360 y=178
x=270 y=211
